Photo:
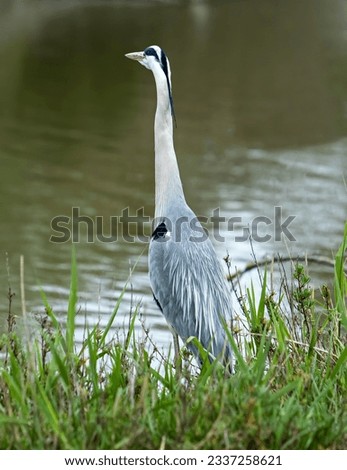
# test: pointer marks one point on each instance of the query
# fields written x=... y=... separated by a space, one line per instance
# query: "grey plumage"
x=187 y=279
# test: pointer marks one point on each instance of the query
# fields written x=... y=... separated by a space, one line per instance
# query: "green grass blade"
x=342 y=361
x=72 y=305
x=340 y=283
x=49 y=409
x=119 y=301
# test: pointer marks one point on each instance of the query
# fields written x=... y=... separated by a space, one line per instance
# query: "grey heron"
x=186 y=276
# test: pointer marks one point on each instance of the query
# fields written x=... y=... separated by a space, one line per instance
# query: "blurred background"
x=260 y=92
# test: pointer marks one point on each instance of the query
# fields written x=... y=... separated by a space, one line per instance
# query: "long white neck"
x=168 y=185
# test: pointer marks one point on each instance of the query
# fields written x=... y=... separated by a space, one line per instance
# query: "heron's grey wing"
x=188 y=282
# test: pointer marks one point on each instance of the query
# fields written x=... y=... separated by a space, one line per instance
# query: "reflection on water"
x=261 y=104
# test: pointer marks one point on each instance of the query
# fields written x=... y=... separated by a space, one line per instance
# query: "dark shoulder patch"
x=160 y=231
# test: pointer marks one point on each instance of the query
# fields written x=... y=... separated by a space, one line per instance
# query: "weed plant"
x=287 y=391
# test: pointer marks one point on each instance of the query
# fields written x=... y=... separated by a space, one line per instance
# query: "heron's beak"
x=135 y=56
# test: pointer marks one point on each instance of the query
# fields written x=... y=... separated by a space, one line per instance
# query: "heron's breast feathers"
x=189 y=284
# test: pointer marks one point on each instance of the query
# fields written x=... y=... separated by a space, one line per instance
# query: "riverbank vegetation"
x=288 y=389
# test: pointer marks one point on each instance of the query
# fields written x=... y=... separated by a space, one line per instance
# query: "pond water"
x=260 y=92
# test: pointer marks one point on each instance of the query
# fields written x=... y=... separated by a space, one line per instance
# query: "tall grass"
x=288 y=389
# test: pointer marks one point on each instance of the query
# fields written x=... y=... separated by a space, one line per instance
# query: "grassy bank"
x=288 y=390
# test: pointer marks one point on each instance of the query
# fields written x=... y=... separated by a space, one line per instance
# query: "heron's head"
x=155 y=59
x=151 y=57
